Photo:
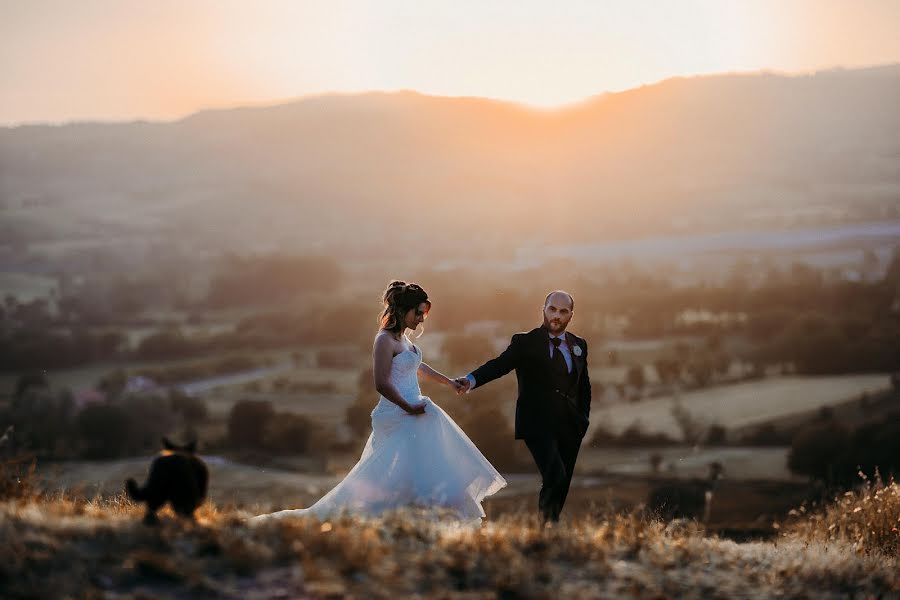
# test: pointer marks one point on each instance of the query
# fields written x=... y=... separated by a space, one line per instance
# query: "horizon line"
x=537 y=108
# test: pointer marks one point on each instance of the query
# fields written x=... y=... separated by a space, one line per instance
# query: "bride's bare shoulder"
x=385 y=338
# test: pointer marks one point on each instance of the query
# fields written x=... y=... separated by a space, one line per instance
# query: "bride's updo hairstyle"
x=399 y=298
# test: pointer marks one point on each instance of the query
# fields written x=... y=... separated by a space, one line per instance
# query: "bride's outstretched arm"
x=382 y=357
x=431 y=374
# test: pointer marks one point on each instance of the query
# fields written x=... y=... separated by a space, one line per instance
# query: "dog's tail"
x=134 y=492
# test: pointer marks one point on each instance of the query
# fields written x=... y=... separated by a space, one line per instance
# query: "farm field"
x=739 y=405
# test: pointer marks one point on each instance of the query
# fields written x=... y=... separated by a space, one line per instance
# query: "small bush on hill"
x=247 y=423
x=834 y=454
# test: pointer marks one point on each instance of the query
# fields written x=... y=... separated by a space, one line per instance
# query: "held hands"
x=461 y=384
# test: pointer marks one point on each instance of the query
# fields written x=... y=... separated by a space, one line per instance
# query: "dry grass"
x=17 y=477
x=867 y=518
x=58 y=547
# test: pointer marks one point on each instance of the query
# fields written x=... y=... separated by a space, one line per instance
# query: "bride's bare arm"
x=431 y=374
x=382 y=357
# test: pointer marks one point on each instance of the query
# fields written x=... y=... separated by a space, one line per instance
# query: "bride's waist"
x=413 y=399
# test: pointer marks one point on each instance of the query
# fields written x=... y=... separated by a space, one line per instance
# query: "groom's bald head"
x=559 y=296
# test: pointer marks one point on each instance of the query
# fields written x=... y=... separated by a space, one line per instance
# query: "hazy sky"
x=66 y=60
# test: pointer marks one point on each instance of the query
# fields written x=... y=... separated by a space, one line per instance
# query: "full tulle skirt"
x=423 y=461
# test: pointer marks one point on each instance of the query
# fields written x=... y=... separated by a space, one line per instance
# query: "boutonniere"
x=576 y=350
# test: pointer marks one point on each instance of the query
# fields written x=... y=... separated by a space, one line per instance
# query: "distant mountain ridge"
x=689 y=153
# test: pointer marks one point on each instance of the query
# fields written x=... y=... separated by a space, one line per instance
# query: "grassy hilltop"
x=66 y=548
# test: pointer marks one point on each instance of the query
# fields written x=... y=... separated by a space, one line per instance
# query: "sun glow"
x=129 y=59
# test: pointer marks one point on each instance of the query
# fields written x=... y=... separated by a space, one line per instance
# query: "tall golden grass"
x=868 y=518
x=60 y=546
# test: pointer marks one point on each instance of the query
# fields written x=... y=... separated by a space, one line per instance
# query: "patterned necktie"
x=558 y=360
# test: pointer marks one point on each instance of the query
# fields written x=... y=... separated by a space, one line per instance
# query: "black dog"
x=177 y=476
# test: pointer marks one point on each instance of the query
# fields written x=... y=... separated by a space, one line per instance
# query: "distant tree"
x=105 y=431
x=296 y=434
x=167 y=343
x=151 y=418
x=820 y=451
x=248 y=421
x=691 y=427
x=716 y=435
x=668 y=370
x=28 y=381
x=43 y=421
x=876 y=447
x=192 y=410
x=635 y=377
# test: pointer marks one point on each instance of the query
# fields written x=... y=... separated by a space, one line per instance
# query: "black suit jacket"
x=537 y=407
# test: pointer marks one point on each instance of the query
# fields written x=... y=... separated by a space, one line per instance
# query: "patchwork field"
x=739 y=405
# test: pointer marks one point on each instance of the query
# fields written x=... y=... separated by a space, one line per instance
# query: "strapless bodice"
x=404 y=369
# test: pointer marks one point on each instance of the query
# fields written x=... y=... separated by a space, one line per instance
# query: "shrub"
x=44 y=421
x=289 y=433
x=635 y=377
x=192 y=410
x=875 y=447
x=716 y=435
x=130 y=426
x=819 y=451
x=165 y=344
x=767 y=435
x=248 y=421
x=151 y=418
x=105 y=431
x=832 y=453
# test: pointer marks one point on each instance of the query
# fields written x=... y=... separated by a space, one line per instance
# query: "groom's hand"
x=462 y=385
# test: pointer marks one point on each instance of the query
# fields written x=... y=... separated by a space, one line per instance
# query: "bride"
x=416 y=456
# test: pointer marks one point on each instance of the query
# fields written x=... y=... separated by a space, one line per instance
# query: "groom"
x=554 y=396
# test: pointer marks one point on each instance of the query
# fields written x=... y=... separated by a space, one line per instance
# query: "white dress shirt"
x=564 y=347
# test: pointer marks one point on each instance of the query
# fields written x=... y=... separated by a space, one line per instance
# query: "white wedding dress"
x=423 y=461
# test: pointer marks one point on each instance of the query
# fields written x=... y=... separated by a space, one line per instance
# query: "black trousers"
x=555 y=455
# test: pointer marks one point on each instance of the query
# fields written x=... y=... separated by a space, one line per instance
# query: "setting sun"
x=125 y=60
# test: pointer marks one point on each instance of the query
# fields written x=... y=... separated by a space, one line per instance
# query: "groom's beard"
x=554 y=326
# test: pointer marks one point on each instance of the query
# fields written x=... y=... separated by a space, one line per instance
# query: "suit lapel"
x=542 y=345
x=577 y=361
